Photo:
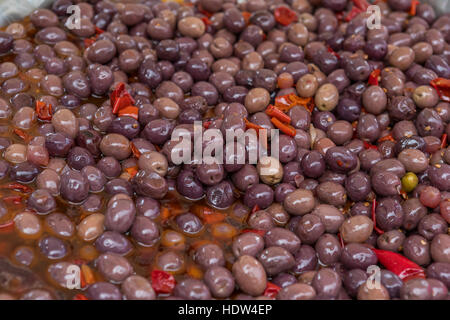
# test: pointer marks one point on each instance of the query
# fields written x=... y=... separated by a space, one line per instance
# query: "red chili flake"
x=444 y=141
x=334 y=53
x=271 y=290
x=135 y=151
x=442 y=87
x=246 y=16
x=285 y=16
x=43 y=111
x=98 y=30
x=260 y=232
x=120 y=98
x=88 y=42
x=374 y=77
x=251 y=125
x=16 y=186
x=285 y=128
x=162 y=282
x=7 y=226
x=340 y=15
x=16 y=200
x=271 y=111
x=203 y=11
x=132 y=170
x=22 y=134
x=340 y=163
x=341 y=241
x=80 y=296
x=374 y=220
x=353 y=13
x=388 y=137
x=369 y=146
x=413 y=9
x=361 y=4
x=206 y=21
x=130 y=111
x=206 y=124
x=255 y=208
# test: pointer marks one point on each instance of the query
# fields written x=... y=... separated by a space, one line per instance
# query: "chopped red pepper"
x=255 y=208
x=88 y=42
x=16 y=200
x=80 y=296
x=162 y=282
x=286 y=102
x=250 y=125
x=130 y=111
x=388 y=137
x=374 y=77
x=22 y=134
x=413 y=9
x=285 y=16
x=246 y=16
x=341 y=241
x=7 y=226
x=16 y=186
x=361 y=4
x=444 y=141
x=353 y=13
x=206 y=124
x=135 y=151
x=334 y=53
x=43 y=110
x=442 y=87
x=285 y=128
x=374 y=220
x=206 y=21
x=271 y=290
x=369 y=146
x=120 y=98
x=203 y=11
x=398 y=264
x=98 y=30
x=132 y=170
x=260 y=232
x=271 y=111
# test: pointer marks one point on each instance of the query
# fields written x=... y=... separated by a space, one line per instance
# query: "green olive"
x=409 y=181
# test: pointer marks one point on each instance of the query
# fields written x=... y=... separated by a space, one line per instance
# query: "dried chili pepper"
x=352 y=14
x=162 y=282
x=361 y=4
x=207 y=214
x=22 y=134
x=285 y=128
x=80 y=296
x=206 y=124
x=369 y=146
x=388 y=137
x=255 y=208
x=341 y=241
x=135 y=151
x=130 y=111
x=271 y=290
x=398 y=264
x=16 y=186
x=246 y=16
x=206 y=21
x=120 y=98
x=285 y=16
x=374 y=220
x=374 y=77
x=132 y=170
x=271 y=111
x=7 y=226
x=260 y=232
x=88 y=274
x=203 y=11
x=43 y=110
x=442 y=87
x=251 y=125
x=413 y=9
x=16 y=200
x=334 y=53
x=444 y=141
x=88 y=42
x=98 y=30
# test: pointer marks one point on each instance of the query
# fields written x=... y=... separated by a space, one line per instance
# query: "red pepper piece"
x=88 y=42
x=353 y=13
x=98 y=30
x=132 y=170
x=16 y=200
x=361 y=4
x=16 y=186
x=246 y=16
x=206 y=124
x=334 y=53
x=22 y=134
x=260 y=232
x=7 y=226
x=398 y=264
x=130 y=111
x=285 y=16
x=413 y=9
x=442 y=87
x=271 y=290
x=388 y=137
x=341 y=241
x=369 y=146
x=203 y=11
x=374 y=220
x=162 y=282
x=285 y=128
x=250 y=125
x=374 y=77
x=44 y=111
x=255 y=208
x=444 y=141
x=271 y=111
x=80 y=296
x=120 y=98
x=206 y=21
x=135 y=151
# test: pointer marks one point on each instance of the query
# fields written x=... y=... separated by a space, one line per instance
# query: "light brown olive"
x=191 y=27
x=167 y=108
x=28 y=225
x=270 y=170
x=153 y=161
x=356 y=229
x=299 y=202
x=16 y=153
x=327 y=97
x=257 y=100
x=372 y=291
x=307 y=86
x=402 y=57
x=115 y=145
x=414 y=160
x=425 y=97
x=65 y=121
x=91 y=227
